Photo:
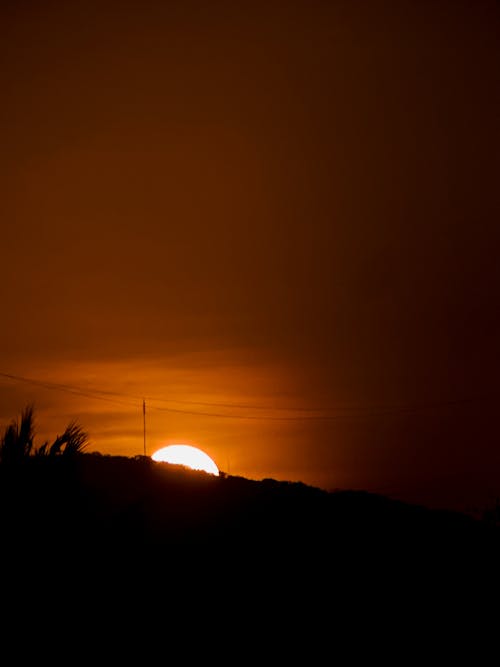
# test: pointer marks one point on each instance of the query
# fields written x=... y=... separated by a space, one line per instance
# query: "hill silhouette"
x=100 y=507
x=128 y=541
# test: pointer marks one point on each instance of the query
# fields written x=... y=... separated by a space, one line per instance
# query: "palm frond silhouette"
x=73 y=441
x=16 y=444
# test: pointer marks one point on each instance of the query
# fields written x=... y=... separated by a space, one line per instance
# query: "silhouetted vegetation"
x=17 y=442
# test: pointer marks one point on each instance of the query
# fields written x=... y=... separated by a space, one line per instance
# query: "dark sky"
x=293 y=206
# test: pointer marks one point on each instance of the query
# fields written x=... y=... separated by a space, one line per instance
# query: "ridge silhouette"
x=93 y=525
x=93 y=501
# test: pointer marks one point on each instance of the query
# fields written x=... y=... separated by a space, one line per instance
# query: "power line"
x=348 y=413
x=96 y=393
x=65 y=388
x=241 y=406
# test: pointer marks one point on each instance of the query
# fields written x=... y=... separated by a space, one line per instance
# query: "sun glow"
x=188 y=456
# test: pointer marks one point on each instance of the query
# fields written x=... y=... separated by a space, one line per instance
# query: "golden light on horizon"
x=188 y=456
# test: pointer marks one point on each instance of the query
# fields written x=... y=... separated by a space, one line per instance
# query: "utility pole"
x=144 y=420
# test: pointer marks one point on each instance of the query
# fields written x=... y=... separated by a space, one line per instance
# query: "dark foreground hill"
x=119 y=537
x=102 y=506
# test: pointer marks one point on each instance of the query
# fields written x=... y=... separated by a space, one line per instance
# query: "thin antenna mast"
x=144 y=420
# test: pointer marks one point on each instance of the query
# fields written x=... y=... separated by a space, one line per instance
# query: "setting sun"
x=188 y=456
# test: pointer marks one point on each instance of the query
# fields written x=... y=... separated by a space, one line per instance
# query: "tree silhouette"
x=73 y=441
x=16 y=443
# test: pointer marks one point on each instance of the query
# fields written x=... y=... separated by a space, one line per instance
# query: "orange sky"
x=293 y=207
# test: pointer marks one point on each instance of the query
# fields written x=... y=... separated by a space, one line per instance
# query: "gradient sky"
x=292 y=208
